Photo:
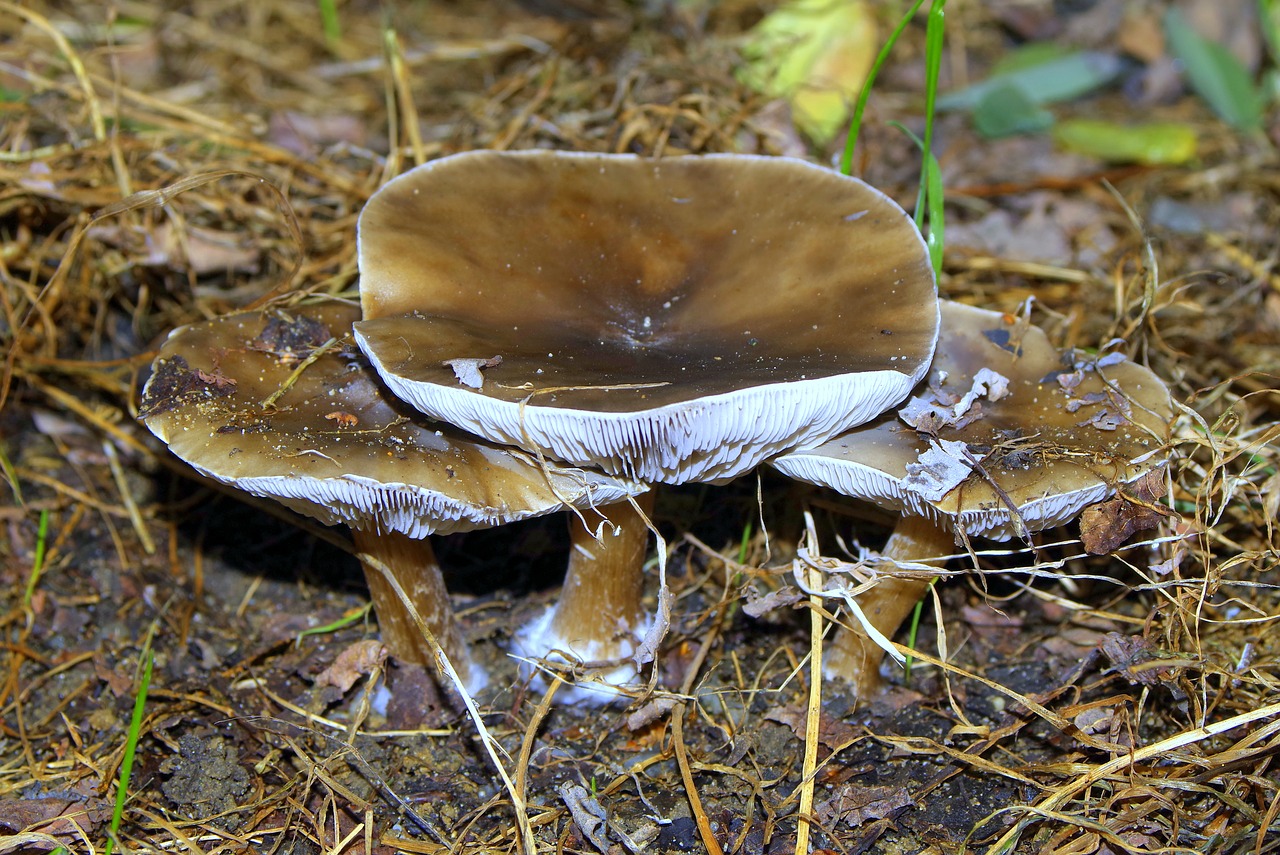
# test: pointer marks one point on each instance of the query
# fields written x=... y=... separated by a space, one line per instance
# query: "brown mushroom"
x=1008 y=437
x=282 y=405
x=667 y=320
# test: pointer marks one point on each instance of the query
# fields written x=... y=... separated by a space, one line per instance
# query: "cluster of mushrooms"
x=544 y=331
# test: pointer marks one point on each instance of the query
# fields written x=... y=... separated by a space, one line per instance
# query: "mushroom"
x=282 y=405
x=666 y=320
x=1009 y=437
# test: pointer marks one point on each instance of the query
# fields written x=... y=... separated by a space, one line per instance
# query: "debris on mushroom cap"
x=1051 y=447
x=669 y=320
x=334 y=445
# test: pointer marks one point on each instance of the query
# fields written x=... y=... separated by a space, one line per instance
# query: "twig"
x=812 y=716
x=682 y=754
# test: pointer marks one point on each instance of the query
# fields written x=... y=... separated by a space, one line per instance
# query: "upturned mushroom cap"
x=669 y=320
x=334 y=445
x=1064 y=435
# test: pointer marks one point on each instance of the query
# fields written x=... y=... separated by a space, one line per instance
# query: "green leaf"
x=1008 y=110
x=1152 y=144
x=1058 y=78
x=1215 y=74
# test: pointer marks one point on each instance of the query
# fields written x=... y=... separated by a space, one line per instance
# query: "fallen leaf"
x=650 y=712
x=938 y=408
x=342 y=418
x=1043 y=74
x=759 y=604
x=1107 y=525
x=120 y=684
x=356 y=661
x=1150 y=143
x=174 y=379
x=853 y=804
x=816 y=55
x=588 y=815
x=291 y=338
x=306 y=135
x=216 y=379
x=832 y=732
x=52 y=819
x=1140 y=661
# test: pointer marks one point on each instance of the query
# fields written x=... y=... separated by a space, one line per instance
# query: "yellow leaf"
x=1151 y=144
x=816 y=55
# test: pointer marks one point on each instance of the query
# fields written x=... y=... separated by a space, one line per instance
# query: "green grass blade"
x=913 y=632
x=935 y=33
x=745 y=543
x=347 y=619
x=329 y=21
x=929 y=200
x=130 y=745
x=930 y=172
x=1269 y=15
x=935 y=199
x=855 y=124
x=37 y=564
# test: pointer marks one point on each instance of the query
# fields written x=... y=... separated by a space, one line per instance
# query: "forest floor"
x=163 y=163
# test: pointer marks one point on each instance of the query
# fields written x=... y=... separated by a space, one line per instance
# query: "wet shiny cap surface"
x=282 y=405
x=1066 y=433
x=673 y=319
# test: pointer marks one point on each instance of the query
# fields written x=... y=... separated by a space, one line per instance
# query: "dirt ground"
x=162 y=163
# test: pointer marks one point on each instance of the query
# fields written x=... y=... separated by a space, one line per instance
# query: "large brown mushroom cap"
x=670 y=320
x=1064 y=436
x=334 y=445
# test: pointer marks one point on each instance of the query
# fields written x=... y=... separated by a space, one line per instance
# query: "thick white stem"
x=600 y=615
x=602 y=603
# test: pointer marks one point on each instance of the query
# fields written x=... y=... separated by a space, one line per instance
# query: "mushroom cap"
x=335 y=445
x=669 y=320
x=1066 y=435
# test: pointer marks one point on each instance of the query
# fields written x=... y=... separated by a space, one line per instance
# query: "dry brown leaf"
x=853 y=804
x=356 y=661
x=832 y=732
x=1107 y=525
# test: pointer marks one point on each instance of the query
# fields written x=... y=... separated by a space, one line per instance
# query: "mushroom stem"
x=601 y=608
x=600 y=615
x=852 y=656
x=413 y=564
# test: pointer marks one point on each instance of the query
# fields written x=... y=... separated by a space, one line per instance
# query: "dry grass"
x=179 y=165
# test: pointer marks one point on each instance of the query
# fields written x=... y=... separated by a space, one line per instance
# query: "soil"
x=164 y=164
